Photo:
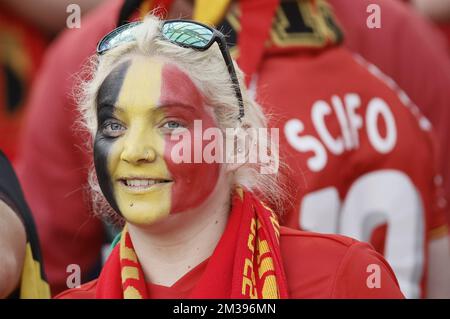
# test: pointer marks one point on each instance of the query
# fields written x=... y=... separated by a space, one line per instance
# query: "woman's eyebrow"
x=104 y=105
x=109 y=90
x=107 y=97
x=108 y=107
x=175 y=104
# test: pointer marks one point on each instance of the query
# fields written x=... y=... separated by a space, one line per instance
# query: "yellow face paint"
x=139 y=105
x=137 y=156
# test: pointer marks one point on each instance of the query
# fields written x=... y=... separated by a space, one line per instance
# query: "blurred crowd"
x=360 y=90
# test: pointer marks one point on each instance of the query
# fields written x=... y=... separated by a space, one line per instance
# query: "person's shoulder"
x=332 y=266
x=85 y=291
x=291 y=236
x=305 y=243
x=311 y=261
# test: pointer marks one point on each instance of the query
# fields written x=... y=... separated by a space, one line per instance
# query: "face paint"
x=139 y=104
x=106 y=99
x=194 y=182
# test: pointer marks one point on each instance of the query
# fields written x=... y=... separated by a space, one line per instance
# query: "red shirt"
x=347 y=139
x=413 y=53
x=316 y=266
x=182 y=288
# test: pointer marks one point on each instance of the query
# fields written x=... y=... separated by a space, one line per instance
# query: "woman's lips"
x=142 y=184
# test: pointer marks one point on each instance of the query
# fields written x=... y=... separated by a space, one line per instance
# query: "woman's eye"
x=113 y=129
x=172 y=125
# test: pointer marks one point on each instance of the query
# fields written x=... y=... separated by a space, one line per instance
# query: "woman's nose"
x=136 y=152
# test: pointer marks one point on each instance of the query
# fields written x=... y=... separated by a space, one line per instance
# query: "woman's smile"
x=139 y=185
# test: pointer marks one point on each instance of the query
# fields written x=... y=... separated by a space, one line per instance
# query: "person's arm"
x=12 y=250
x=364 y=273
x=439 y=268
x=54 y=161
x=48 y=15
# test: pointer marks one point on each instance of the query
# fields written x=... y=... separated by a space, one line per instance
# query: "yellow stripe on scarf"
x=131 y=293
x=130 y=272
x=265 y=264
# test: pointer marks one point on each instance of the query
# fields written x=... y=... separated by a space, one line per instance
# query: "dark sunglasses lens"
x=122 y=34
x=187 y=34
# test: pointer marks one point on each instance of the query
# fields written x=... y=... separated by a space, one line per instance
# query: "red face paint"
x=193 y=182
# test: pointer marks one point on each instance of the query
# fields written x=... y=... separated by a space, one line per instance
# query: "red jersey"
x=347 y=137
x=316 y=266
x=412 y=52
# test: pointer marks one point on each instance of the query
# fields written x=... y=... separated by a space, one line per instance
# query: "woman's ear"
x=255 y=147
x=241 y=145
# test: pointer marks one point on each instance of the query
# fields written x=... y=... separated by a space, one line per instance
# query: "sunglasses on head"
x=184 y=33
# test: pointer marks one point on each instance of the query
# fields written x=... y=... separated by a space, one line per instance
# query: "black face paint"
x=107 y=96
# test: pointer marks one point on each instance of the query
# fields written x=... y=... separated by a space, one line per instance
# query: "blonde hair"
x=209 y=72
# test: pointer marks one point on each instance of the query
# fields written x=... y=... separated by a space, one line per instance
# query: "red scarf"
x=245 y=264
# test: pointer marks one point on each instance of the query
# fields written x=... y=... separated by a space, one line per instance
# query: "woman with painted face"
x=163 y=100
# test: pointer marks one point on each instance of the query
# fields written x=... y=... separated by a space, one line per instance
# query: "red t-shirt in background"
x=413 y=53
x=358 y=155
